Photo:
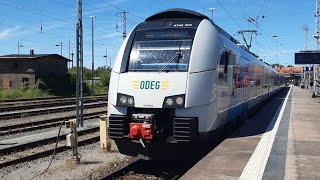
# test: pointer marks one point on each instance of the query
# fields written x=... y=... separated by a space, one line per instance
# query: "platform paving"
x=229 y=158
x=303 y=146
x=295 y=152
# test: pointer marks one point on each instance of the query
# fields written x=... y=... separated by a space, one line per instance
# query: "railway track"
x=22 y=105
x=175 y=166
x=32 y=112
x=33 y=146
x=43 y=124
x=140 y=169
x=46 y=98
x=16 y=154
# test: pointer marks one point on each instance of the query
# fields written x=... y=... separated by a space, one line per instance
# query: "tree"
x=276 y=65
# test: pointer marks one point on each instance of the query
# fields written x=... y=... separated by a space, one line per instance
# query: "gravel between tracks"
x=94 y=164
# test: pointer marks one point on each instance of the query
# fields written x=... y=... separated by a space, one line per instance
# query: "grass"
x=23 y=93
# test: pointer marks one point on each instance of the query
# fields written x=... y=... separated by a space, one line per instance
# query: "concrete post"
x=105 y=142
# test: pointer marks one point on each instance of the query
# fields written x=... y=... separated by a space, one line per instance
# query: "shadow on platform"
x=263 y=120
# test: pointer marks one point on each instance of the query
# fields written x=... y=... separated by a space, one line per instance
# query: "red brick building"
x=16 y=69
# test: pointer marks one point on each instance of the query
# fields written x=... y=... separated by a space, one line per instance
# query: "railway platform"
x=281 y=141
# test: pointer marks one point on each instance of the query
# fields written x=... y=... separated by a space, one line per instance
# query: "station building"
x=16 y=69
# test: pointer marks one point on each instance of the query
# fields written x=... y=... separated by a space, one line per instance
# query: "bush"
x=62 y=86
x=23 y=92
x=101 y=87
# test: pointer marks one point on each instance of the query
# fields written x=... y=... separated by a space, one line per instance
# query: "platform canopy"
x=307 y=57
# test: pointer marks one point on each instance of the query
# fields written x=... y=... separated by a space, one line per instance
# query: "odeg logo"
x=149 y=84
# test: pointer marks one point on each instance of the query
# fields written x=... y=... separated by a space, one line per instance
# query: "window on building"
x=15 y=65
x=25 y=81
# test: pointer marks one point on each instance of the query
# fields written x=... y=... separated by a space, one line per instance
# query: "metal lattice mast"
x=316 y=81
x=306 y=31
x=124 y=33
x=92 y=51
x=317 y=23
x=124 y=23
x=79 y=59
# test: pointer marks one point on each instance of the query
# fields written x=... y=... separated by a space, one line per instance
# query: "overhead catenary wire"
x=228 y=13
x=51 y=31
x=34 y=12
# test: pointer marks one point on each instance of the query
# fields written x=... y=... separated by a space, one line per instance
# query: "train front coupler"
x=141 y=128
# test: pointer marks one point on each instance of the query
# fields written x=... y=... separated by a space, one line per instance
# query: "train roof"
x=177 y=13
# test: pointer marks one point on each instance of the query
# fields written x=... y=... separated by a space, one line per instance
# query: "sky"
x=279 y=29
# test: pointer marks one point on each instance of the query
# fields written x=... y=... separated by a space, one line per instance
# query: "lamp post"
x=19 y=46
x=212 y=10
x=275 y=37
x=106 y=56
x=60 y=44
x=72 y=54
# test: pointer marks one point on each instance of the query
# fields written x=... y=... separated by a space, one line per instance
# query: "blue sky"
x=20 y=21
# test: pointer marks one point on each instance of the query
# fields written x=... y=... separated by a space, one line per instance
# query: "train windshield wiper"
x=177 y=54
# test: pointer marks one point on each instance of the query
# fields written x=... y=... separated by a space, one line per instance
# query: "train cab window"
x=223 y=67
x=164 y=49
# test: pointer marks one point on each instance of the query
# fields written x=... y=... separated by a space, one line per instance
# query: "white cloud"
x=6 y=33
x=111 y=35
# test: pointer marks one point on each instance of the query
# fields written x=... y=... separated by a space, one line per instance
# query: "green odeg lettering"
x=149 y=84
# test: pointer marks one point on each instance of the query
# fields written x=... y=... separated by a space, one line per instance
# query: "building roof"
x=30 y=56
x=290 y=70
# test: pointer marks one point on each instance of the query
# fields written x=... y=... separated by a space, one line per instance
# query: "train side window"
x=223 y=67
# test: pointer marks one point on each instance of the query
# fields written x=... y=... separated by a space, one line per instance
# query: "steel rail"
x=33 y=112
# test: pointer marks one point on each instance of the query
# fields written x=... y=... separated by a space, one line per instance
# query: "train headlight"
x=179 y=101
x=125 y=100
x=174 y=101
x=130 y=100
x=169 y=101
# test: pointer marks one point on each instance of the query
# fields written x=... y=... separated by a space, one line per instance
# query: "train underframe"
x=147 y=132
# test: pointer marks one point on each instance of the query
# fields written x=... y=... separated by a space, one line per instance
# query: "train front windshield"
x=164 y=49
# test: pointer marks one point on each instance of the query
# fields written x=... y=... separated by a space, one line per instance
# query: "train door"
x=222 y=69
x=269 y=82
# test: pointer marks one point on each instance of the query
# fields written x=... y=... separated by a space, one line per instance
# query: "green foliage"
x=276 y=65
x=101 y=87
x=23 y=92
x=87 y=75
x=60 y=86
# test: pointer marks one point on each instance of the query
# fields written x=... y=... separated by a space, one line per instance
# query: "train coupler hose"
x=142 y=143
